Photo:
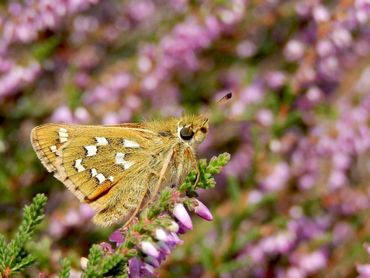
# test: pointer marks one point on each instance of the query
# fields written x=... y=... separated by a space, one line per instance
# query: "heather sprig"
x=65 y=268
x=14 y=256
x=145 y=243
x=206 y=173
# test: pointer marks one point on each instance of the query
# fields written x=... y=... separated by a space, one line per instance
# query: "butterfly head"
x=193 y=129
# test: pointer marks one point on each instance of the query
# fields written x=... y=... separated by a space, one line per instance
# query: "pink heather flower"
x=182 y=215
x=56 y=228
x=72 y=218
x=164 y=248
x=313 y=262
x=116 y=237
x=278 y=178
x=320 y=13
x=147 y=270
x=367 y=247
x=82 y=115
x=294 y=50
x=62 y=114
x=265 y=117
x=254 y=93
x=134 y=265
x=275 y=79
x=295 y=272
x=203 y=211
x=363 y=270
x=86 y=211
x=325 y=47
x=174 y=239
x=149 y=249
x=246 y=49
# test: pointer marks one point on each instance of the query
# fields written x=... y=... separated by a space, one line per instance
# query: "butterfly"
x=119 y=169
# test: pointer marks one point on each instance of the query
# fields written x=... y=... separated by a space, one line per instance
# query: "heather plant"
x=293 y=201
x=138 y=248
x=14 y=256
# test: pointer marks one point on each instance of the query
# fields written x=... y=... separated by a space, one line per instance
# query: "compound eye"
x=186 y=133
x=203 y=129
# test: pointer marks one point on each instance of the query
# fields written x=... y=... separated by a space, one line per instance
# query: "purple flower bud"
x=106 y=247
x=164 y=248
x=203 y=211
x=152 y=261
x=134 y=265
x=182 y=229
x=182 y=215
x=149 y=249
x=116 y=237
x=175 y=239
x=161 y=235
x=147 y=270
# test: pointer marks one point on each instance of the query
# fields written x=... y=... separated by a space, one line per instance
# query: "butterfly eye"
x=203 y=129
x=186 y=133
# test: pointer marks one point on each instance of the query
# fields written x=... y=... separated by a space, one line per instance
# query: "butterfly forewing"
x=97 y=165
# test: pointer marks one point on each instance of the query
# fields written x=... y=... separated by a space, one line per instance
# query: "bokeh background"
x=294 y=201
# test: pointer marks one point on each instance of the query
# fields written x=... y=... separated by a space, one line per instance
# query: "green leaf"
x=65 y=268
x=113 y=265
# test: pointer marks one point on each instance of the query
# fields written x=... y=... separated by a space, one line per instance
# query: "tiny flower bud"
x=175 y=239
x=83 y=262
x=116 y=237
x=203 y=211
x=182 y=215
x=106 y=247
x=161 y=235
x=165 y=249
x=149 y=249
x=174 y=227
x=148 y=270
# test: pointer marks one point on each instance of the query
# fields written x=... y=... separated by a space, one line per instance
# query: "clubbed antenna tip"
x=225 y=97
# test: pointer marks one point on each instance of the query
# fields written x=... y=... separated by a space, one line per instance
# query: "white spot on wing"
x=128 y=164
x=91 y=150
x=93 y=172
x=120 y=159
x=100 y=177
x=79 y=167
x=53 y=149
x=111 y=178
x=101 y=141
x=130 y=144
x=63 y=135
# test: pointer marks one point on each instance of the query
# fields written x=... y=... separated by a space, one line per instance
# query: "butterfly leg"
x=195 y=166
x=161 y=177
